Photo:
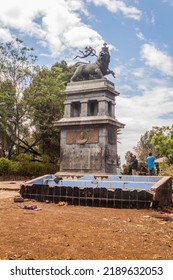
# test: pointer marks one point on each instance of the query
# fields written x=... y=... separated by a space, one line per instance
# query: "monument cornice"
x=85 y=87
x=93 y=120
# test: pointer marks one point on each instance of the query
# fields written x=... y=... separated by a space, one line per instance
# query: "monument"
x=89 y=127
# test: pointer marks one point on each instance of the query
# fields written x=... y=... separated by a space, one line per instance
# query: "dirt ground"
x=69 y=232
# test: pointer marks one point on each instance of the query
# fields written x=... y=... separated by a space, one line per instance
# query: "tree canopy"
x=144 y=146
x=30 y=102
x=162 y=140
x=16 y=72
x=159 y=141
x=46 y=106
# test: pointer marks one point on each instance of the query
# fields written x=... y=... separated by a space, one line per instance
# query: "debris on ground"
x=164 y=214
x=18 y=199
x=166 y=211
x=62 y=203
x=31 y=207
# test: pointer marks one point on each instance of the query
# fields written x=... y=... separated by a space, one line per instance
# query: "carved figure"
x=83 y=138
x=88 y=51
x=96 y=70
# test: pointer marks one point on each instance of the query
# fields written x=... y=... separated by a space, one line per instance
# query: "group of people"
x=144 y=170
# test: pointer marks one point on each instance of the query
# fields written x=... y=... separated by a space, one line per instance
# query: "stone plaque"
x=82 y=137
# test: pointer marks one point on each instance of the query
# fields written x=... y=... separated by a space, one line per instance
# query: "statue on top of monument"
x=96 y=70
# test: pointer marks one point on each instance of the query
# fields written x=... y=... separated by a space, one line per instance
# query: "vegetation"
x=162 y=140
x=30 y=102
x=159 y=141
x=166 y=170
x=25 y=168
x=144 y=146
x=16 y=72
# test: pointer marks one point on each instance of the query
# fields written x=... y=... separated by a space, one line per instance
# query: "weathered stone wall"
x=91 y=149
x=163 y=192
x=98 y=197
x=89 y=128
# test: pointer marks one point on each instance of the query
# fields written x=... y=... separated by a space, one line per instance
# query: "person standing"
x=130 y=164
x=150 y=161
x=134 y=165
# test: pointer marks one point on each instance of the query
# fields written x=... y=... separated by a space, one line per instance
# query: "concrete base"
x=101 y=190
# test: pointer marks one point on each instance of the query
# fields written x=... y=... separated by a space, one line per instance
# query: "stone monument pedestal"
x=89 y=128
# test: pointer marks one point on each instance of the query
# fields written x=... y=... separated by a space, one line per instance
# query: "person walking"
x=134 y=165
x=150 y=162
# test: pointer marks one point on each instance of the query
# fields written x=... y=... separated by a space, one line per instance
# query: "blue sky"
x=139 y=36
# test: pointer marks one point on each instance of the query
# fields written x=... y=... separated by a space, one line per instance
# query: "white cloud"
x=55 y=24
x=141 y=113
x=5 y=35
x=130 y=12
x=150 y=19
x=155 y=58
x=140 y=36
x=79 y=35
x=168 y=1
x=115 y=6
x=77 y=5
x=139 y=72
x=144 y=101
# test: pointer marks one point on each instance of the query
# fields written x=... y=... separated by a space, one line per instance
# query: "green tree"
x=128 y=157
x=8 y=121
x=143 y=147
x=162 y=140
x=16 y=72
x=30 y=102
x=46 y=106
x=67 y=71
x=7 y=110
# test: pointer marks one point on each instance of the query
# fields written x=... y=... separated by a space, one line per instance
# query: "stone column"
x=67 y=109
x=84 y=109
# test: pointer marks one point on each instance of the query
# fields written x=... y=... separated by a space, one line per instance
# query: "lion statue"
x=96 y=70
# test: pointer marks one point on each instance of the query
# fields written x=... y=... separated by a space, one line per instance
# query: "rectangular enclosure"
x=101 y=191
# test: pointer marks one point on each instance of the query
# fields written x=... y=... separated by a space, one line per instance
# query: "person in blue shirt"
x=150 y=161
